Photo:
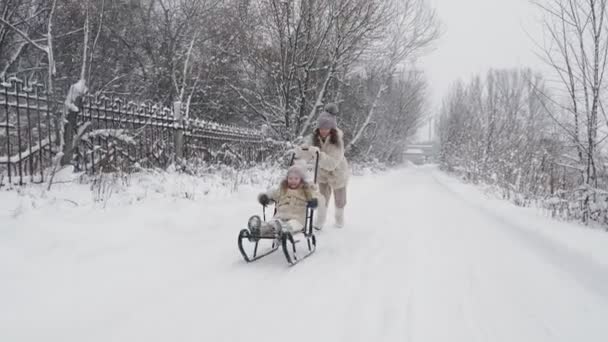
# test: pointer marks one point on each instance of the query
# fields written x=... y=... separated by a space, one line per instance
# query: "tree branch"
x=25 y=36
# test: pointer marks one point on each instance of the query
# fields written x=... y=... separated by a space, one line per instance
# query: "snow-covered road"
x=422 y=258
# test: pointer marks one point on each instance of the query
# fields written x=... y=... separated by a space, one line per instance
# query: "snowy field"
x=423 y=257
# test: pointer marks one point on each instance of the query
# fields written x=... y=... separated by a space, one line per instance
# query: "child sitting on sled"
x=292 y=198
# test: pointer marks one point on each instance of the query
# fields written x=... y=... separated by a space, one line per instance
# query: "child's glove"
x=263 y=199
x=313 y=203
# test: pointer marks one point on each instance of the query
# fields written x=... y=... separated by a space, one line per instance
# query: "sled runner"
x=297 y=245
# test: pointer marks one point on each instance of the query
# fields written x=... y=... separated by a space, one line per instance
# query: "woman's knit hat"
x=327 y=121
x=327 y=118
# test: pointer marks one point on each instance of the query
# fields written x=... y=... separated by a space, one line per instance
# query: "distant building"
x=415 y=155
x=421 y=153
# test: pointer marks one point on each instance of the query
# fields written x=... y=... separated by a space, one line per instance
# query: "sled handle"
x=293 y=158
x=316 y=167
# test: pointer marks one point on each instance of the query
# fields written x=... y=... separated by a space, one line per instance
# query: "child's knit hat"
x=298 y=169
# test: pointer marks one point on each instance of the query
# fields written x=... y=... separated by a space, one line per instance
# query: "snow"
x=25 y=154
x=120 y=134
x=414 y=151
x=77 y=89
x=423 y=257
x=557 y=235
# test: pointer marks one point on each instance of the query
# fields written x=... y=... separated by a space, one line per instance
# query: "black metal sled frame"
x=246 y=235
x=287 y=240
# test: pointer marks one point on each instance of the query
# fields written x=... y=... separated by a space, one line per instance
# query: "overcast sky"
x=478 y=35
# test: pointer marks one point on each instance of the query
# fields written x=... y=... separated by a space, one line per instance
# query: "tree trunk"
x=370 y=115
x=318 y=102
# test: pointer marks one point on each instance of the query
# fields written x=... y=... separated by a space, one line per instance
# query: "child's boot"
x=254 y=223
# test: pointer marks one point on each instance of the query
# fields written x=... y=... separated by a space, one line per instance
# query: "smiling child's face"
x=293 y=181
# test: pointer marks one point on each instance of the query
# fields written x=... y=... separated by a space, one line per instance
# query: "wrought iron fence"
x=26 y=135
x=108 y=134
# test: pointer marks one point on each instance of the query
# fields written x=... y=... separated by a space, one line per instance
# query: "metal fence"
x=26 y=137
x=108 y=134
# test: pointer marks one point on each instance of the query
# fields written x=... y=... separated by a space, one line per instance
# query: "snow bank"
x=570 y=237
x=112 y=190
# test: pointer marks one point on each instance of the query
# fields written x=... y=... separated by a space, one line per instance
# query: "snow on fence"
x=109 y=133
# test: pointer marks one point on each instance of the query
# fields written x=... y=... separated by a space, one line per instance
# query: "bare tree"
x=495 y=130
x=413 y=29
x=353 y=26
x=11 y=43
x=289 y=64
x=403 y=113
x=46 y=49
x=577 y=50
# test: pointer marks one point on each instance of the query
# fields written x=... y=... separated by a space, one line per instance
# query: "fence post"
x=179 y=131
